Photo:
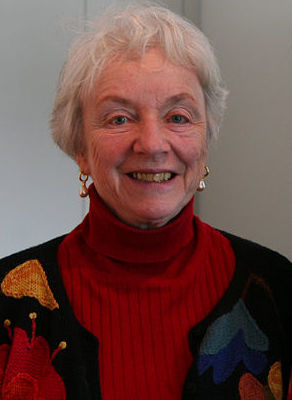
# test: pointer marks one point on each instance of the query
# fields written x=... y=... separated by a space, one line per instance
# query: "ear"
x=83 y=164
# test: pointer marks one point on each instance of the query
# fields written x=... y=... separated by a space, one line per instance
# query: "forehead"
x=153 y=75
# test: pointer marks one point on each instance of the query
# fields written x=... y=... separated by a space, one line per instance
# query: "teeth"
x=158 y=177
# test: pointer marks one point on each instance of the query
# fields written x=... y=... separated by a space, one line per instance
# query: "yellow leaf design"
x=29 y=279
x=275 y=380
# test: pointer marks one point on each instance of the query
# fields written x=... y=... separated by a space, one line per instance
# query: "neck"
x=109 y=236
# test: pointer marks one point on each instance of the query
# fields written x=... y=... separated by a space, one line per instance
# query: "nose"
x=151 y=139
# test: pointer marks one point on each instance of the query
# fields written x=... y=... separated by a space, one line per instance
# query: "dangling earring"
x=202 y=184
x=84 y=189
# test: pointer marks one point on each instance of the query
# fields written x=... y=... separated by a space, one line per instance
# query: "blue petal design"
x=226 y=360
x=223 y=330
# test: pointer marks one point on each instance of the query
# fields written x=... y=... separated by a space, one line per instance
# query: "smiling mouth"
x=148 y=177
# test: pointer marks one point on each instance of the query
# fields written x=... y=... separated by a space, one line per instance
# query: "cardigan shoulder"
x=45 y=250
x=272 y=267
x=31 y=273
x=261 y=255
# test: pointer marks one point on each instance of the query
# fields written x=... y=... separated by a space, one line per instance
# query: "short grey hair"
x=127 y=34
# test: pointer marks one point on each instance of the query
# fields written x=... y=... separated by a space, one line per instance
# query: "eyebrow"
x=116 y=99
x=170 y=102
x=179 y=98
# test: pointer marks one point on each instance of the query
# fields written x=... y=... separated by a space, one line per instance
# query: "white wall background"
x=38 y=192
x=249 y=188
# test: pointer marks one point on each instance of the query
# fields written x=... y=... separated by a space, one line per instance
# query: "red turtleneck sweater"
x=139 y=292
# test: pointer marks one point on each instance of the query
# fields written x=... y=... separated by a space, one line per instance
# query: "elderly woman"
x=143 y=300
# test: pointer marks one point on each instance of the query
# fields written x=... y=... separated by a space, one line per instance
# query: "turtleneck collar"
x=107 y=235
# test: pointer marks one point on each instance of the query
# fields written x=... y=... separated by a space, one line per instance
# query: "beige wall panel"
x=249 y=189
x=39 y=190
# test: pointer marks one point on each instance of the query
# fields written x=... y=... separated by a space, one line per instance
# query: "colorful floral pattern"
x=251 y=389
x=275 y=380
x=233 y=338
x=29 y=279
x=26 y=370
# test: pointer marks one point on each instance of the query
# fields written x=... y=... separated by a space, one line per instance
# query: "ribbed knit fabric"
x=139 y=292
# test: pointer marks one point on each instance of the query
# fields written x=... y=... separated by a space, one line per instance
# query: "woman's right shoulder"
x=43 y=251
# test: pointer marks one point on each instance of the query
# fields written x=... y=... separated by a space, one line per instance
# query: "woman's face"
x=145 y=135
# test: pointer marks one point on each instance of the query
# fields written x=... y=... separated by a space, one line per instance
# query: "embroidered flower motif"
x=275 y=380
x=251 y=389
x=233 y=338
x=28 y=373
x=4 y=353
x=29 y=279
x=227 y=359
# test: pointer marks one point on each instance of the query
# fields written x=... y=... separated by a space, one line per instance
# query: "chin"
x=154 y=219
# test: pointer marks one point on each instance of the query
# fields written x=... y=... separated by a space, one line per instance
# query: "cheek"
x=194 y=159
x=197 y=155
x=94 y=156
x=192 y=152
x=105 y=154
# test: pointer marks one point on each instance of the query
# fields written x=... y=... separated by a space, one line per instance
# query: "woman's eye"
x=178 y=119
x=119 y=120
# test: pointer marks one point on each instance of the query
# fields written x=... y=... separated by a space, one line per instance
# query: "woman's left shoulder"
x=268 y=267
x=259 y=259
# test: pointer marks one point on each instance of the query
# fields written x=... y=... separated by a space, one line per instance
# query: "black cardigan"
x=244 y=341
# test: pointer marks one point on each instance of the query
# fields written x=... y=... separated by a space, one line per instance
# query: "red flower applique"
x=251 y=389
x=4 y=353
x=26 y=370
